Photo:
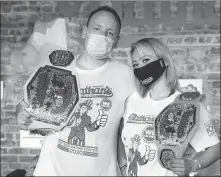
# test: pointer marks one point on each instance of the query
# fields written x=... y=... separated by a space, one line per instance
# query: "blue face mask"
x=149 y=73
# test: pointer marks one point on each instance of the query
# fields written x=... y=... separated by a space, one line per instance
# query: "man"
x=102 y=81
x=107 y=83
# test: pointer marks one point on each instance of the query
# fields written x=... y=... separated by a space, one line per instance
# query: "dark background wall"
x=196 y=62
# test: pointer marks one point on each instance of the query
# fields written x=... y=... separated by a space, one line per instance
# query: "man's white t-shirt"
x=138 y=134
x=83 y=148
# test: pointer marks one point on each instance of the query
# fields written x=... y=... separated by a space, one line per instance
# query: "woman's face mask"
x=149 y=73
x=98 y=46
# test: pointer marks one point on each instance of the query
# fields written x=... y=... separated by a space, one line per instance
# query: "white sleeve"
x=44 y=166
x=206 y=135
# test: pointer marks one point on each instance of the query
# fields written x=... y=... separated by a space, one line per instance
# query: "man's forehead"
x=103 y=16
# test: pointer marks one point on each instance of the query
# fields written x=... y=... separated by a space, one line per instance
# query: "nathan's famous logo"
x=210 y=128
x=148 y=133
x=134 y=118
x=106 y=104
x=96 y=91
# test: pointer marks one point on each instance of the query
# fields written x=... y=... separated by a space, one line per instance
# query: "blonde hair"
x=161 y=51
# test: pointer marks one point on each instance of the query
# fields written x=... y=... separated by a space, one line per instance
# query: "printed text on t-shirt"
x=134 y=118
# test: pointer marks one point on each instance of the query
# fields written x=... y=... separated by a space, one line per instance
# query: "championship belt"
x=176 y=125
x=52 y=93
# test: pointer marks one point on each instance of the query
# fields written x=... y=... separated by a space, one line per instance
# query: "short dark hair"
x=106 y=9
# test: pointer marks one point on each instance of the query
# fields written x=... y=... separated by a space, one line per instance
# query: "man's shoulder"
x=120 y=65
x=122 y=70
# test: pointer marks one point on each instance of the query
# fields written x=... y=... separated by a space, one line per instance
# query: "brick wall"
x=17 y=22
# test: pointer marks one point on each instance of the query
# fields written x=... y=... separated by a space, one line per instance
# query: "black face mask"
x=149 y=73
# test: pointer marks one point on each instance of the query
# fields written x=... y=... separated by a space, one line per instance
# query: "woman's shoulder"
x=134 y=97
x=131 y=102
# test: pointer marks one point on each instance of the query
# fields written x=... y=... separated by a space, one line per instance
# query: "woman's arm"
x=209 y=156
x=121 y=155
x=205 y=138
x=184 y=167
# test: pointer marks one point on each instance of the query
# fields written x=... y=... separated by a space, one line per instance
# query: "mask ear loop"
x=163 y=63
x=87 y=32
x=166 y=67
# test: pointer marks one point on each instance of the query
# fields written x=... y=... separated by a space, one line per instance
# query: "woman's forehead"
x=142 y=51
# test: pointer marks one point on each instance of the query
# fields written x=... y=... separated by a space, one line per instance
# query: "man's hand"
x=188 y=88
x=23 y=117
x=149 y=154
x=102 y=118
x=183 y=167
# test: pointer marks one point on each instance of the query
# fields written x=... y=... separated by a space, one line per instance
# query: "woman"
x=158 y=87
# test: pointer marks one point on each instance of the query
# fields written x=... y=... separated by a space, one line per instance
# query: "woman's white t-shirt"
x=138 y=134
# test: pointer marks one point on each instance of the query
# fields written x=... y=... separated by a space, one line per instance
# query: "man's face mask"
x=98 y=46
x=149 y=73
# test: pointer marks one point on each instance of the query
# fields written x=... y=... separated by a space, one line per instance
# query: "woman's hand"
x=183 y=167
